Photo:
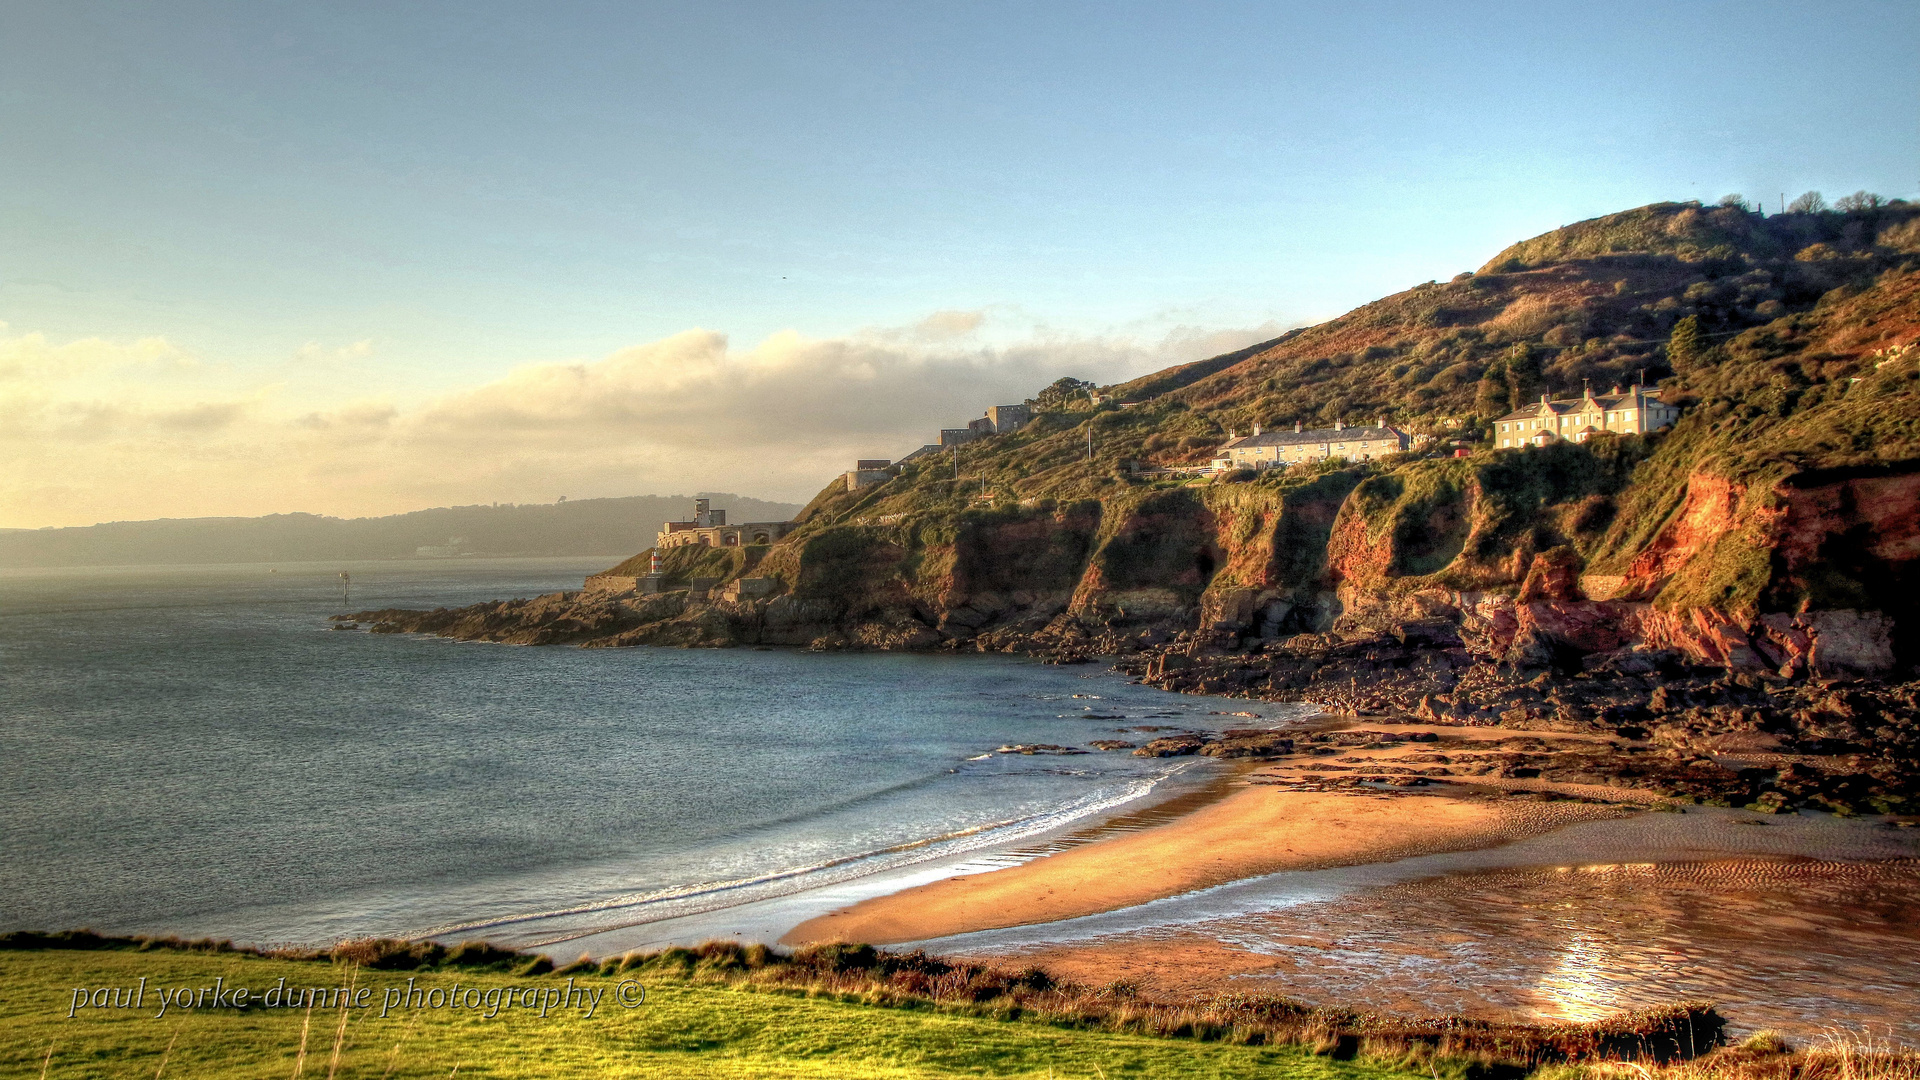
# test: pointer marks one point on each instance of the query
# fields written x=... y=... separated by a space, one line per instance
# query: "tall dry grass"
x=1838 y=1054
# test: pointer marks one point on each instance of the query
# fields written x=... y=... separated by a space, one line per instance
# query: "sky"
x=356 y=258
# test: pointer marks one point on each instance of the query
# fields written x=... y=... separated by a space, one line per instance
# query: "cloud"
x=117 y=432
x=29 y=356
x=359 y=416
x=946 y=325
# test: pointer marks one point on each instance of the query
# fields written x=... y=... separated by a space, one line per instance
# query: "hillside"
x=584 y=527
x=1800 y=415
x=1762 y=547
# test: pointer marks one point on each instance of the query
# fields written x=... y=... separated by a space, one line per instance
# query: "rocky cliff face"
x=1340 y=552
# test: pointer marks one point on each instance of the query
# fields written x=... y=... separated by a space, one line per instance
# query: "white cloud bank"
x=96 y=431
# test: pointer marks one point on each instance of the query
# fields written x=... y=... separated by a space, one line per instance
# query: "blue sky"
x=314 y=207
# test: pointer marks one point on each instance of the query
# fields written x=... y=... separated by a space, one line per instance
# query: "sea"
x=199 y=751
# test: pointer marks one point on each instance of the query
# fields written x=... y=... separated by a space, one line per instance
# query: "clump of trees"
x=1814 y=203
x=1810 y=203
x=1064 y=393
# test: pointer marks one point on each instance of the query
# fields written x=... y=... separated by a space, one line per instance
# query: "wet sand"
x=1253 y=831
x=1797 y=945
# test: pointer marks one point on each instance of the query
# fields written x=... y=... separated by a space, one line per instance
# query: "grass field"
x=681 y=1030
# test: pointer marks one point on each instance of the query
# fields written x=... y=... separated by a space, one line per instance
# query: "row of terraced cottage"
x=1621 y=411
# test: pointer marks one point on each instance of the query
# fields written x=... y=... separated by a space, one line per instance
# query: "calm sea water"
x=194 y=751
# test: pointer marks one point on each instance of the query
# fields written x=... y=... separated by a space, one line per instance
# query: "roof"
x=1314 y=435
x=1562 y=406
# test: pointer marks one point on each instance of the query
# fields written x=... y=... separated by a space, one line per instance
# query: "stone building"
x=1005 y=418
x=1621 y=412
x=1265 y=450
x=867 y=472
x=709 y=527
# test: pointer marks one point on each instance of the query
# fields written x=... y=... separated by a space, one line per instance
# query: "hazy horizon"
x=496 y=504
x=354 y=260
x=614 y=528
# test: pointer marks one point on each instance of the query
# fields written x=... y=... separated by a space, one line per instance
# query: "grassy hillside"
x=1595 y=301
x=1792 y=371
x=683 y=1029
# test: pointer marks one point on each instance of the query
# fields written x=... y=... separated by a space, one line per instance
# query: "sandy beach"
x=1254 y=830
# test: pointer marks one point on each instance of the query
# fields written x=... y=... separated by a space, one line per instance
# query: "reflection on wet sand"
x=1793 y=944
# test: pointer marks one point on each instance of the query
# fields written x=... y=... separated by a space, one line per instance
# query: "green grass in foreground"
x=682 y=1030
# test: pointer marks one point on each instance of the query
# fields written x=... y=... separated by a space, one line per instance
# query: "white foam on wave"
x=984 y=841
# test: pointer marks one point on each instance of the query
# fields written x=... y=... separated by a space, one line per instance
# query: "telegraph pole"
x=1093 y=403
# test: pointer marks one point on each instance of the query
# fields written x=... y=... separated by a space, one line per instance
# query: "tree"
x=1737 y=202
x=1810 y=203
x=1523 y=373
x=1063 y=393
x=1859 y=200
x=1490 y=397
x=1686 y=347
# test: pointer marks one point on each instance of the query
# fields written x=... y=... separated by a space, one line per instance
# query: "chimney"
x=1380 y=422
x=1339 y=423
x=1256 y=431
x=1296 y=427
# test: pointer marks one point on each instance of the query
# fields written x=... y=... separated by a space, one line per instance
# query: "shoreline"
x=1498 y=898
x=1282 y=813
x=766 y=919
x=1302 y=882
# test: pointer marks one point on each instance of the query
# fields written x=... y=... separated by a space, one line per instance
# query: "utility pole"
x=956 y=461
x=1093 y=403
